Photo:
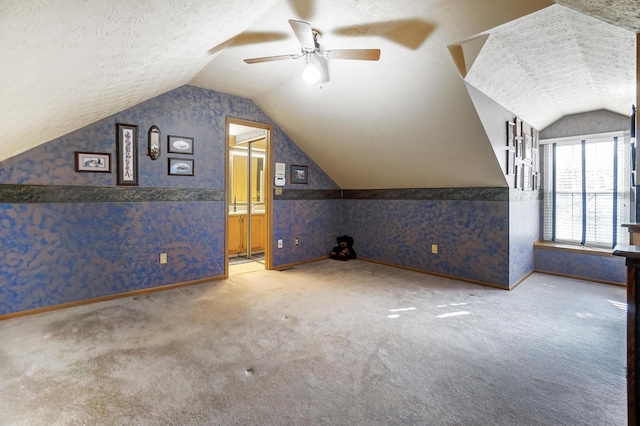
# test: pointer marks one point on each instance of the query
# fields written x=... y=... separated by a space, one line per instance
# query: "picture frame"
x=527 y=178
x=511 y=161
x=527 y=149
x=93 y=162
x=127 y=154
x=519 y=147
x=179 y=145
x=511 y=134
x=518 y=124
x=299 y=174
x=181 y=166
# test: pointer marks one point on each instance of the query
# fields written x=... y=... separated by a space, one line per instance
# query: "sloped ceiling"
x=405 y=121
x=557 y=62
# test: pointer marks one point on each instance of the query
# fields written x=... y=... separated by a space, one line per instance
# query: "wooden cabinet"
x=237 y=233
x=257 y=232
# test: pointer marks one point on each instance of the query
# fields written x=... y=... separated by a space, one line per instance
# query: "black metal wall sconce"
x=154 y=142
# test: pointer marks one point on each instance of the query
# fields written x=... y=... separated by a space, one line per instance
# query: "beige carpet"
x=327 y=343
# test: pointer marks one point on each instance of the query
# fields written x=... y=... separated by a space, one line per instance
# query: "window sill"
x=597 y=251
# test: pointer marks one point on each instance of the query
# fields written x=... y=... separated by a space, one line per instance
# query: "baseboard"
x=520 y=281
x=437 y=274
x=291 y=265
x=576 y=277
x=108 y=297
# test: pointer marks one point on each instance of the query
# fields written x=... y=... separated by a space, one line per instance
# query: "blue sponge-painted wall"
x=607 y=268
x=471 y=235
x=58 y=252
x=56 y=249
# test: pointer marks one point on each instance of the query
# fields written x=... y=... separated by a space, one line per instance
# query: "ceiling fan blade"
x=271 y=58
x=358 y=54
x=304 y=34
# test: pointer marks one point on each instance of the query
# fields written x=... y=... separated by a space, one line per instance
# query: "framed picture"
x=299 y=174
x=96 y=162
x=526 y=152
x=511 y=162
x=180 y=145
x=518 y=127
x=527 y=178
x=180 y=167
x=127 y=150
x=511 y=134
x=519 y=147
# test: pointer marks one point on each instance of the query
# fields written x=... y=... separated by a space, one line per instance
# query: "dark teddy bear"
x=344 y=250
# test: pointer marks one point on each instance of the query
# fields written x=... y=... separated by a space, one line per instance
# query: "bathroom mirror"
x=154 y=142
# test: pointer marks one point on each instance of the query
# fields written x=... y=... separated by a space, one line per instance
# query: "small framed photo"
x=299 y=174
x=96 y=162
x=180 y=167
x=519 y=148
x=527 y=178
x=511 y=162
x=511 y=134
x=180 y=145
x=518 y=123
x=527 y=150
x=127 y=150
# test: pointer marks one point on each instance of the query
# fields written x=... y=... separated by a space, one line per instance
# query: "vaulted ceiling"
x=404 y=121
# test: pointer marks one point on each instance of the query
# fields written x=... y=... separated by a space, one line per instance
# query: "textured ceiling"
x=66 y=64
x=622 y=13
x=405 y=121
x=556 y=62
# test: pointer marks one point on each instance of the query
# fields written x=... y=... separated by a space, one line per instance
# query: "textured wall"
x=524 y=229
x=587 y=123
x=316 y=223
x=52 y=253
x=57 y=253
x=595 y=267
x=524 y=207
x=472 y=236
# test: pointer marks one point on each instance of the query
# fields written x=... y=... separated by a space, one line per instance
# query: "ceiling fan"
x=316 y=68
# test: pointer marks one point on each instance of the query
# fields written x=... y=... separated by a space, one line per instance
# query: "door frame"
x=268 y=211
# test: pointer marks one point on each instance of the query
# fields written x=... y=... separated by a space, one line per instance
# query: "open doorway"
x=248 y=196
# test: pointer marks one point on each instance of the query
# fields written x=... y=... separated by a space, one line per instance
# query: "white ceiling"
x=557 y=62
x=405 y=121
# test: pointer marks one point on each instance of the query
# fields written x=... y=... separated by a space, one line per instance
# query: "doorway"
x=248 y=196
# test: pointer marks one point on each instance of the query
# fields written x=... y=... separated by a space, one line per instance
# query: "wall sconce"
x=154 y=142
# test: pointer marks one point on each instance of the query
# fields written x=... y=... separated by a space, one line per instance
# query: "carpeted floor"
x=327 y=343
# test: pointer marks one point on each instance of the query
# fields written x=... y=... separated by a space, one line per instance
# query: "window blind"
x=587 y=190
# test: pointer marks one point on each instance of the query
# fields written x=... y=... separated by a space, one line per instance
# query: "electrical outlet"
x=434 y=248
x=297 y=241
x=279 y=243
x=163 y=258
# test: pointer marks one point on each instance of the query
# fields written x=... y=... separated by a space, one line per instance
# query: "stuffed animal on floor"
x=344 y=250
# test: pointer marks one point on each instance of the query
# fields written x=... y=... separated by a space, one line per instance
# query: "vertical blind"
x=587 y=189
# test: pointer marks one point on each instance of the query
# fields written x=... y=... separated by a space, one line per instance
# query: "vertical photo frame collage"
x=522 y=155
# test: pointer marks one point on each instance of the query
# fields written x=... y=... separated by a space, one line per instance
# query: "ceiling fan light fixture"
x=311 y=73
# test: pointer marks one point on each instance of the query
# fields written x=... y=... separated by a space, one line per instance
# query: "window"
x=587 y=189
